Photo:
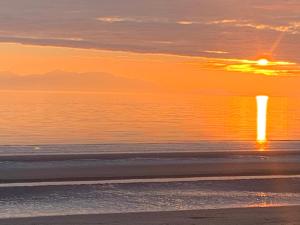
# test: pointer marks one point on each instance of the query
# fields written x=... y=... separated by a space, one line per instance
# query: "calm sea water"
x=92 y=118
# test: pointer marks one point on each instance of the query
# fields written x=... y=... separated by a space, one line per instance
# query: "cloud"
x=48 y=41
x=215 y=52
x=193 y=28
x=25 y=37
x=273 y=68
x=279 y=6
x=185 y=22
x=117 y=19
x=224 y=21
x=292 y=27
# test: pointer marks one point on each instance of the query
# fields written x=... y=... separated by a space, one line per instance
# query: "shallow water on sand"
x=42 y=200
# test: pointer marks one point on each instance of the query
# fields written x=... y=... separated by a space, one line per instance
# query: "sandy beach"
x=247 y=216
x=51 y=188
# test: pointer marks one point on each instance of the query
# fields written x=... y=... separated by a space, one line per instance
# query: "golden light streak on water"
x=262 y=108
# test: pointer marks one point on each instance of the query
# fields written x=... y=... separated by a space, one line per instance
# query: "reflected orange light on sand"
x=262 y=107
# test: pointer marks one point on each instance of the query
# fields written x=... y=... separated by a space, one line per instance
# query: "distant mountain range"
x=67 y=81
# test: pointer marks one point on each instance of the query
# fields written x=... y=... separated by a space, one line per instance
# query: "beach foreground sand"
x=247 y=216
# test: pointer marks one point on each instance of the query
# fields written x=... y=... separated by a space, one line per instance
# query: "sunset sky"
x=203 y=46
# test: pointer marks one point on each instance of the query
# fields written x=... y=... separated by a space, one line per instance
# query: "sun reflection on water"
x=262 y=108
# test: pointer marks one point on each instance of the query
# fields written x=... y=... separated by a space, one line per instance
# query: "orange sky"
x=169 y=72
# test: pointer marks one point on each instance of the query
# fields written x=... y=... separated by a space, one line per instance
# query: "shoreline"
x=101 y=167
x=152 y=171
x=151 y=180
x=241 y=216
x=128 y=155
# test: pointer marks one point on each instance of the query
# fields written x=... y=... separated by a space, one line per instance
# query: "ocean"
x=34 y=118
x=83 y=153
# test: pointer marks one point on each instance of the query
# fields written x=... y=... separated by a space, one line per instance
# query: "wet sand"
x=160 y=165
x=135 y=166
x=247 y=216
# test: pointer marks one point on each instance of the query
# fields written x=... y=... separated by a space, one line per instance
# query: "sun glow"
x=262 y=107
x=263 y=62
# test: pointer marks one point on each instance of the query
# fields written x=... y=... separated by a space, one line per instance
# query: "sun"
x=263 y=62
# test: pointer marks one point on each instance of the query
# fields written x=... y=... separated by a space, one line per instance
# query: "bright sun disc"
x=263 y=62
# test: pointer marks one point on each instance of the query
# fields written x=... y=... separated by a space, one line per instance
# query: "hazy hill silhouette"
x=60 y=80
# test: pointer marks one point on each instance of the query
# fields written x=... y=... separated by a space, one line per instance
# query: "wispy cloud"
x=273 y=68
x=117 y=19
x=224 y=21
x=279 y=6
x=215 y=52
x=29 y=37
x=290 y=27
x=185 y=22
